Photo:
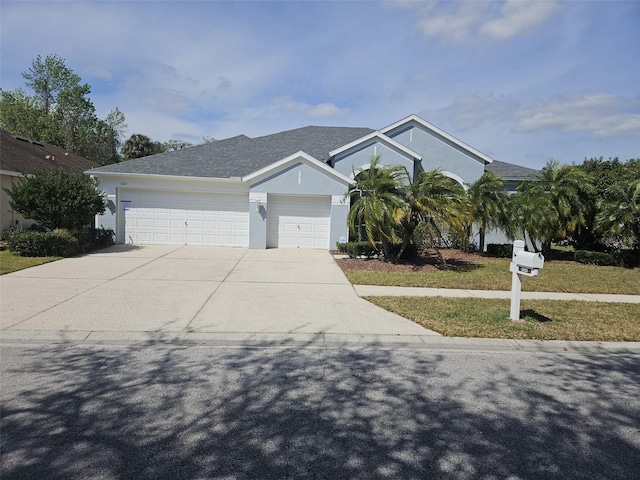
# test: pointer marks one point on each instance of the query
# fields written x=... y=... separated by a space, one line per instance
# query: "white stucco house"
x=285 y=190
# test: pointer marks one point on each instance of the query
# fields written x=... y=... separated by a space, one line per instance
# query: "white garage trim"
x=298 y=221
x=176 y=217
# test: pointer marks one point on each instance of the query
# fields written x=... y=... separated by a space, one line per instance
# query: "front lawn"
x=476 y=272
x=543 y=319
x=10 y=262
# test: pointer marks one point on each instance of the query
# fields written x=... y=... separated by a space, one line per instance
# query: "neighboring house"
x=288 y=189
x=20 y=157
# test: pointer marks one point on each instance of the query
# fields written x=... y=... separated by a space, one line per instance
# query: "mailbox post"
x=522 y=263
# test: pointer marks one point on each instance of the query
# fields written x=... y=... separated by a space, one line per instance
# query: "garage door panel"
x=155 y=216
x=298 y=221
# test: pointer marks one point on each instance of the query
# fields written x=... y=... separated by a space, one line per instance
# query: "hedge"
x=58 y=243
x=500 y=250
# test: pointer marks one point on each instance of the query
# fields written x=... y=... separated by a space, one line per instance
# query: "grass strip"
x=492 y=274
x=542 y=319
x=10 y=262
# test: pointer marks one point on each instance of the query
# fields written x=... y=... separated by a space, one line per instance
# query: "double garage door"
x=196 y=218
x=169 y=217
x=297 y=221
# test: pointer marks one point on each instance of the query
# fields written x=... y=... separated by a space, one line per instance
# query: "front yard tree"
x=436 y=200
x=57 y=199
x=377 y=200
x=487 y=204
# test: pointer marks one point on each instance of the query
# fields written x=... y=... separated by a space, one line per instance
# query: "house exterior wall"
x=297 y=179
x=439 y=153
x=351 y=160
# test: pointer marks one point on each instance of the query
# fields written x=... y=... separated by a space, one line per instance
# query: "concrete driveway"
x=193 y=289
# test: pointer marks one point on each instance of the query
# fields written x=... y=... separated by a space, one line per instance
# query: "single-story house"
x=20 y=157
x=288 y=189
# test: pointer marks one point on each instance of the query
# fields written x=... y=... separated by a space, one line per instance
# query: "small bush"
x=596 y=258
x=409 y=253
x=103 y=237
x=341 y=247
x=360 y=249
x=500 y=250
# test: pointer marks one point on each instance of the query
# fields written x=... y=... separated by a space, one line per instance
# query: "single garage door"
x=194 y=218
x=298 y=221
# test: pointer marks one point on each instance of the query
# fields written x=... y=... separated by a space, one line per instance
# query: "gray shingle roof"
x=509 y=171
x=239 y=156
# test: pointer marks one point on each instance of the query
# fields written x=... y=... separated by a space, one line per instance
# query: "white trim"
x=11 y=173
x=455 y=177
x=258 y=197
x=156 y=175
x=339 y=199
x=436 y=130
x=381 y=137
x=295 y=158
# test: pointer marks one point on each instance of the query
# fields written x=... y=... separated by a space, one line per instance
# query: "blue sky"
x=523 y=82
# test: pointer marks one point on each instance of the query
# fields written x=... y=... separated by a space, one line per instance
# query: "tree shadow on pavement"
x=162 y=411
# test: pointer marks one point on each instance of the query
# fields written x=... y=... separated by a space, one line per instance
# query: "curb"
x=317 y=340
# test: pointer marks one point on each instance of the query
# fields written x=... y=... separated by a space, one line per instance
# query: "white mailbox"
x=526 y=263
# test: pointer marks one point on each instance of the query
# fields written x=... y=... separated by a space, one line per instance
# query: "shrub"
x=596 y=258
x=500 y=250
x=360 y=249
x=30 y=243
x=341 y=247
x=59 y=242
x=409 y=253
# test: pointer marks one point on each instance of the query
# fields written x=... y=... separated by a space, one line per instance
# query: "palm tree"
x=436 y=200
x=377 y=201
x=487 y=204
x=620 y=215
x=555 y=206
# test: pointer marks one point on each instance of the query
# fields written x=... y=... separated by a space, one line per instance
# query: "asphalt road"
x=167 y=411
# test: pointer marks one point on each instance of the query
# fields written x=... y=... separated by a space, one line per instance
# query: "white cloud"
x=469 y=21
x=604 y=115
x=599 y=114
x=286 y=105
x=518 y=17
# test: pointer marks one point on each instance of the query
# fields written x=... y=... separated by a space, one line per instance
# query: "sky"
x=524 y=82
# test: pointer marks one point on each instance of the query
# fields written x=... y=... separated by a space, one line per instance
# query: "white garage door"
x=166 y=217
x=298 y=221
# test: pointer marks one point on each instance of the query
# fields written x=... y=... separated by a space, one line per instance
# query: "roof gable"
x=379 y=137
x=438 y=133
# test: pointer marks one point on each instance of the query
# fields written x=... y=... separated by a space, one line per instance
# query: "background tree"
x=618 y=218
x=609 y=178
x=377 y=201
x=61 y=113
x=48 y=78
x=487 y=204
x=138 y=146
x=173 y=145
x=57 y=199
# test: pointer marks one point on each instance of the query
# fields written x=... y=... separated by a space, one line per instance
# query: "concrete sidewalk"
x=380 y=291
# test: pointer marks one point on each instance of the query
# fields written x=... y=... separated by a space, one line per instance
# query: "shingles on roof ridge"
x=511 y=171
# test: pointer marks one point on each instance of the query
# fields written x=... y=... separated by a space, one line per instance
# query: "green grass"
x=543 y=319
x=10 y=262
x=493 y=274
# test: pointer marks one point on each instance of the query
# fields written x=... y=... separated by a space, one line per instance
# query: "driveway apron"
x=193 y=289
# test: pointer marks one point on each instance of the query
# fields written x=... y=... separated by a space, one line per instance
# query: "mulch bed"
x=427 y=262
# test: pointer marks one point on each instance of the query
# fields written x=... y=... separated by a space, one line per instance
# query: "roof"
x=239 y=156
x=509 y=171
x=20 y=155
